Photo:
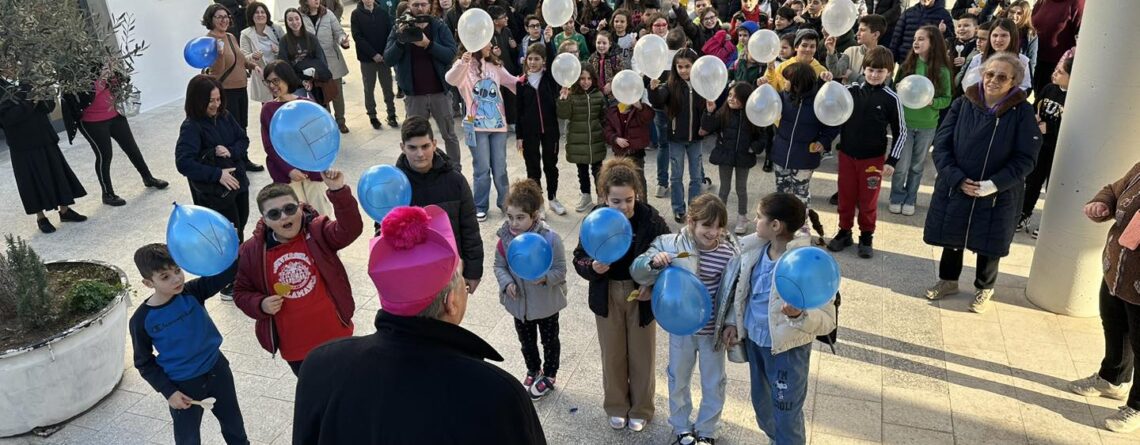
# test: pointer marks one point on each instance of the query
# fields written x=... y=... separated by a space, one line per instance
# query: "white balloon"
x=839 y=16
x=916 y=91
x=557 y=12
x=972 y=77
x=833 y=104
x=764 y=46
x=566 y=69
x=475 y=29
x=764 y=106
x=709 y=76
x=627 y=87
x=650 y=55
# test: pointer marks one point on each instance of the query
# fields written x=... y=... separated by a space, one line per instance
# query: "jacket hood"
x=974 y=95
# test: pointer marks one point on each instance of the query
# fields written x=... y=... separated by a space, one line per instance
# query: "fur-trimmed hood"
x=975 y=96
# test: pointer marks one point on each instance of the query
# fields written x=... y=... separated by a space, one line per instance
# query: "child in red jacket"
x=627 y=133
x=290 y=278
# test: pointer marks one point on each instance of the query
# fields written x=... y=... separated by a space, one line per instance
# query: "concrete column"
x=1097 y=146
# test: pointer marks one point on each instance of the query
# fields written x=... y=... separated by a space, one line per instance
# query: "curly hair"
x=619 y=172
x=525 y=195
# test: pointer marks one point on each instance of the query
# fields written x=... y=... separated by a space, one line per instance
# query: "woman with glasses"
x=984 y=150
x=230 y=70
x=284 y=85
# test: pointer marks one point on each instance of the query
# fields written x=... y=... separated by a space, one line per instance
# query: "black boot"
x=865 y=249
x=767 y=165
x=841 y=241
x=112 y=199
x=153 y=182
x=834 y=199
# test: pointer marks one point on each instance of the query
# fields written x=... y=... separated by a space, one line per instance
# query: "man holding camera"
x=422 y=49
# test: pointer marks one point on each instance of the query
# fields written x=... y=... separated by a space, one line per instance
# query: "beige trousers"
x=628 y=353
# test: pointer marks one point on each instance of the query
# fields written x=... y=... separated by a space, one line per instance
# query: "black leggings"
x=1037 y=179
x=584 y=171
x=99 y=136
x=546 y=162
x=237 y=103
x=552 y=347
x=234 y=207
x=219 y=384
x=1121 y=322
x=950 y=268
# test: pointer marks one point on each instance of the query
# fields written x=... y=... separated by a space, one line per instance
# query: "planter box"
x=65 y=375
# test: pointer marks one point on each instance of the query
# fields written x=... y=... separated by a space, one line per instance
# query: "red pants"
x=859 y=183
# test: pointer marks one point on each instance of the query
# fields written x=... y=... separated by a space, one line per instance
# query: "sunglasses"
x=1000 y=77
x=533 y=25
x=287 y=210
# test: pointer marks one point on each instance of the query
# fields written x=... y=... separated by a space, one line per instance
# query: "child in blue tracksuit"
x=189 y=366
x=710 y=250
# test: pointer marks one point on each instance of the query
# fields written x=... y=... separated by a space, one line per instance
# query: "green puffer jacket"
x=585 y=112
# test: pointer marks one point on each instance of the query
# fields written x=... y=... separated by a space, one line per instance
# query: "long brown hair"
x=1014 y=37
x=937 y=58
x=619 y=172
x=678 y=86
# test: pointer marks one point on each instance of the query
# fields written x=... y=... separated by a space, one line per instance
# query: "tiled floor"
x=906 y=371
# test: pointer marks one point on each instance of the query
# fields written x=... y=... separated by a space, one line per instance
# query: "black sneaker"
x=1022 y=224
x=767 y=166
x=343 y=128
x=251 y=167
x=45 y=225
x=228 y=292
x=70 y=215
x=841 y=241
x=679 y=217
x=374 y=121
x=112 y=199
x=392 y=122
x=685 y=438
x=399 y=94
x=834 y=199
x=706 y=441
x=153 y=182
x=865 y=249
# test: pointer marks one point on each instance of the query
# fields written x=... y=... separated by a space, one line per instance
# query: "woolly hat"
x=413 y=258
x=751 y=26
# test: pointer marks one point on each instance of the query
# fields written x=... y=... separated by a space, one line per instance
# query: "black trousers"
x=950 y=268
x=295 y=366
x=584 y=171
x=99 y=136
x=545 y=162
x=510 y=105
x=234 y=207
x=1121 y=322
x=551 y=346
x=237 y=103
x=219 y=384
x=1037 y=178
x=1042 y=75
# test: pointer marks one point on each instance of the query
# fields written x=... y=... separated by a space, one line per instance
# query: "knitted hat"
x=413 y=258
x=751 y=26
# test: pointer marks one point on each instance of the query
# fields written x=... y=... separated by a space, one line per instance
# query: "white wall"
x=166 y=25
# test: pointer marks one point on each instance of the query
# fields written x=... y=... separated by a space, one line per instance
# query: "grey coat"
x=532 y=300
x=329 y=33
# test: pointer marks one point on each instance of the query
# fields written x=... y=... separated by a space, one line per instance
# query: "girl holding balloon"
x=583 y=106
x=479 y=77
x=800 y=135
x=684 y=108
x=737 y=143
x=775 y=335
x=532 y=294
x=626 y=328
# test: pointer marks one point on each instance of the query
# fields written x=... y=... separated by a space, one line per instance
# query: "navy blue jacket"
x=738 y=141
x=797 y=130
x=916 y=17
x=442 y=50
x=370 y=31
x=198 y=137
x=975 y=143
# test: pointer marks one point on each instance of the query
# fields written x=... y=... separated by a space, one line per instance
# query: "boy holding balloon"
x=687 y=309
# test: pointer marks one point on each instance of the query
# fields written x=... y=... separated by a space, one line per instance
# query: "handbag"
x=130 y=106
x=213 y=191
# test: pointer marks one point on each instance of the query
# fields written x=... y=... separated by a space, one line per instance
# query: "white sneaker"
x=557 y=207
x=480 y=216
x=908 y=209
x=661 y=191
x=742 y=224
x=1095 y=386
x=895 y=208
x=585 y=203
x=982 y=300
x=636 y=425
x=1124 y=421
x=617 y=423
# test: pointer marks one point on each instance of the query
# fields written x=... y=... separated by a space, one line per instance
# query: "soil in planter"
x=61 y=278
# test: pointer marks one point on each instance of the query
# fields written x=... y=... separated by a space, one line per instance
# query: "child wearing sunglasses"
x=290 y=279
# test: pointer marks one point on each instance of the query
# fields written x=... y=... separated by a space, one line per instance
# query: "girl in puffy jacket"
x=583 y=106
x=684 y=109
x=627 y=133
x=800 y=136
x=737 y=143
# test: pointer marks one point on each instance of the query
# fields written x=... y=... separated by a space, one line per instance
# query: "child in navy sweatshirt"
x=189 y=366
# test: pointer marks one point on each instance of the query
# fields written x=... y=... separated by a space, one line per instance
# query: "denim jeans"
x=678 y=151
x=661 y=127
x=489 y=159
x=685 y=352
x=908 y=175
x=779 y=387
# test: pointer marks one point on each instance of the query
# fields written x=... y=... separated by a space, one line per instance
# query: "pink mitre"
x=413 y=258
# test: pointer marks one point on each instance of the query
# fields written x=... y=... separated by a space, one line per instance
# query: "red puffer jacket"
x=633 y=126
x=324 y=237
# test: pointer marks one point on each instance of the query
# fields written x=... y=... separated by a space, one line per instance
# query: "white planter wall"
x=56 y=381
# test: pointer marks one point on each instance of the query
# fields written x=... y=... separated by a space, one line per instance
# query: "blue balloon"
x=383 y=188
x=530 y=256
x=201 y=240
x=807 y=277
x=681 y=302
x=201 y=52
x=305 y=135
x=606 y=235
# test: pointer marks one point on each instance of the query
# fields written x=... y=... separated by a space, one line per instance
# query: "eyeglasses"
x=533 y=25
x=999 y=77
x=660 y=25
x=222 y=17
x=272 y=80
x=276 y=214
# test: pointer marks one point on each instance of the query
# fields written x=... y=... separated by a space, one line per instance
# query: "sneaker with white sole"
x=895 y=208
x=227 y=293
x=661 y=191
x=543 y=386
x=684 y=438
x=982 y=299
x=636 y=425
x=706 y=441
x=742 y=224
x=1095 y=386
x=908 y=209
x=1126 y=420
x=585 y=203
x=556 y=207
x=480 y=216
x=617 y=423
x=942 y=289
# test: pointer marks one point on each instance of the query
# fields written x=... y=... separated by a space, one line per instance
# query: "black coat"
x=196 y=141
x=370 y=31
x=889 y=9
x=415 y=380
x=443 y=185
x=43 y=178
x=737 y=140
x=647 y=226
x=914 y=18
x=538 y=108
x=963 y=150
x=683 y=126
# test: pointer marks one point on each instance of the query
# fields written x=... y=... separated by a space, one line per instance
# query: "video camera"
x=406 y=29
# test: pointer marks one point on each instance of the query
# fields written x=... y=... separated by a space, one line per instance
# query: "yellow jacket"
x=776 y=77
